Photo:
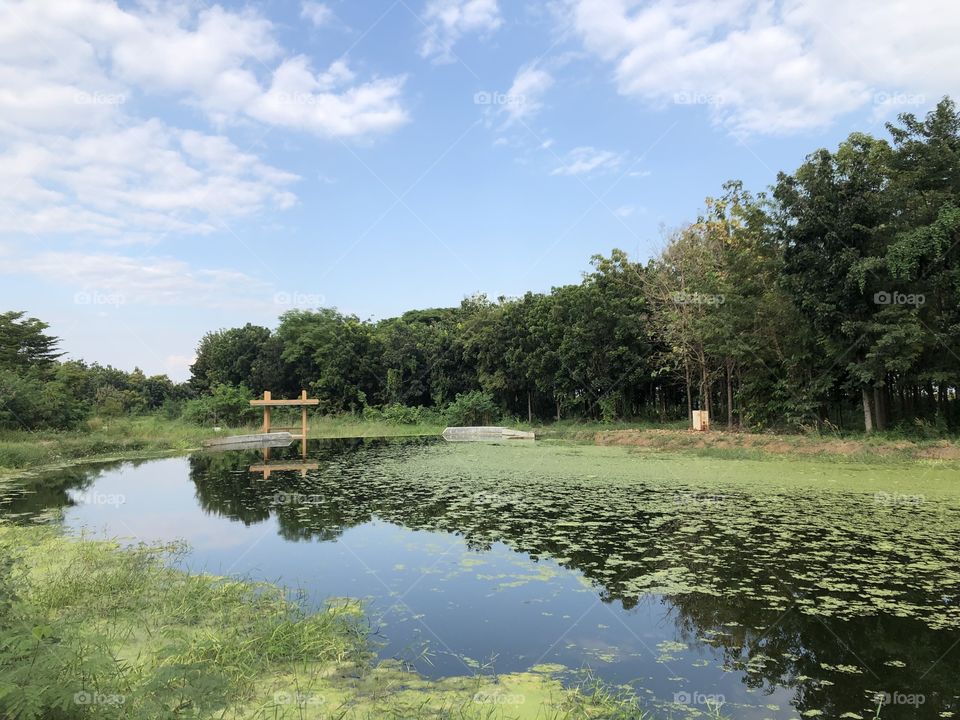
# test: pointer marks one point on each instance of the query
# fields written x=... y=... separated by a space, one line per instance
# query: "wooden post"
x=303 y=426
x=266 y=412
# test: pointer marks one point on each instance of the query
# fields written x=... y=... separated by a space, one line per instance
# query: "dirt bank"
x=779 y=444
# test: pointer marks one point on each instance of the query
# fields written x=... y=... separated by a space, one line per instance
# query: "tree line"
x=830 y=300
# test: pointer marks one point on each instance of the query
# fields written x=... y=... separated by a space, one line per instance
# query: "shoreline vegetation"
x=92 y=629
x=23 y=452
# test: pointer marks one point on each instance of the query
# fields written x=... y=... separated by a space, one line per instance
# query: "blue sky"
x=172 y=168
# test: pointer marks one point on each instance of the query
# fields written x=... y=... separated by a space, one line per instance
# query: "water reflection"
x=750 y=604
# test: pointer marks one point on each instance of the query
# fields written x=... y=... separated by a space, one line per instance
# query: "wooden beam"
x=274 y=403
x=303 y=421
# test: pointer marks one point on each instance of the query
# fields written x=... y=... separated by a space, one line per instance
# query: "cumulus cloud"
x=761 y=67
x=524 y=99
x=317 y=13
x=132 y=183
x=329 y=103
x=449 y=20
x=215 y=59
x=77 y=155
x=585 y=160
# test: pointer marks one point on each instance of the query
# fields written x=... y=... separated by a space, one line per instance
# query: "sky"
x=170 y=168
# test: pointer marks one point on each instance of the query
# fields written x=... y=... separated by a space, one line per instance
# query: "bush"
x=228 y=405
x=30 y=403
x=402 y=414
x=472 y=408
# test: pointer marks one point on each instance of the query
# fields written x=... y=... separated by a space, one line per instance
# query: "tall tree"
x=24 y=342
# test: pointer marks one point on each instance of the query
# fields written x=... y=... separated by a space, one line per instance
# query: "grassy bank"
x=90 y=630
x=130 y=437
x=98 y=439
x=878 y=447
x=134 y=437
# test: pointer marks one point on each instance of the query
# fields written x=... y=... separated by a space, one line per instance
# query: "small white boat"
x=484 y=433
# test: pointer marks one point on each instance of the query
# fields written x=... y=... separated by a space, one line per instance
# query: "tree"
x=227 y=357
x=333 y=354
x=834 y=222
x=24 y=342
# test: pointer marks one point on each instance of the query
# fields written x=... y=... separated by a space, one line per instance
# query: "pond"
x=781 y=588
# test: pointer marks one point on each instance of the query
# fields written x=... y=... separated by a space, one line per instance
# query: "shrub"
x=472 y=408
x=228 y=405
x=402 y=414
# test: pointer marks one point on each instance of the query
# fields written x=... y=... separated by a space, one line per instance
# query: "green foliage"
x=473 y=408
x=24 y=342
x=226 y=405
x=774 y=310
x=405 y=415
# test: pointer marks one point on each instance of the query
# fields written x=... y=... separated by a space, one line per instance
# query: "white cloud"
x=118 y=280
x=317 y=13
x=584 y=160
x=213 y=59
x=524 y=98
x=327 y=103
x=449 y=20
x=129 y=184
x=624 y=211
x=76 y=156
x=762 y=67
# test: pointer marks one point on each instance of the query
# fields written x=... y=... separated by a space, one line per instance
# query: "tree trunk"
x=529 y=408
x=878 y=409
x=686 y=373
x=558 y=408
x=708 y=394
x=729 y=397
x=867 y=417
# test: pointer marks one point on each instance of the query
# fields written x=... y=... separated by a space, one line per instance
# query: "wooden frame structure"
x=268 y=402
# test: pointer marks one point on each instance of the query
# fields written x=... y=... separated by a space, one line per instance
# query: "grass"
x=98 y=439
x=137 y=437
x=92 y=630
x=134 y=437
